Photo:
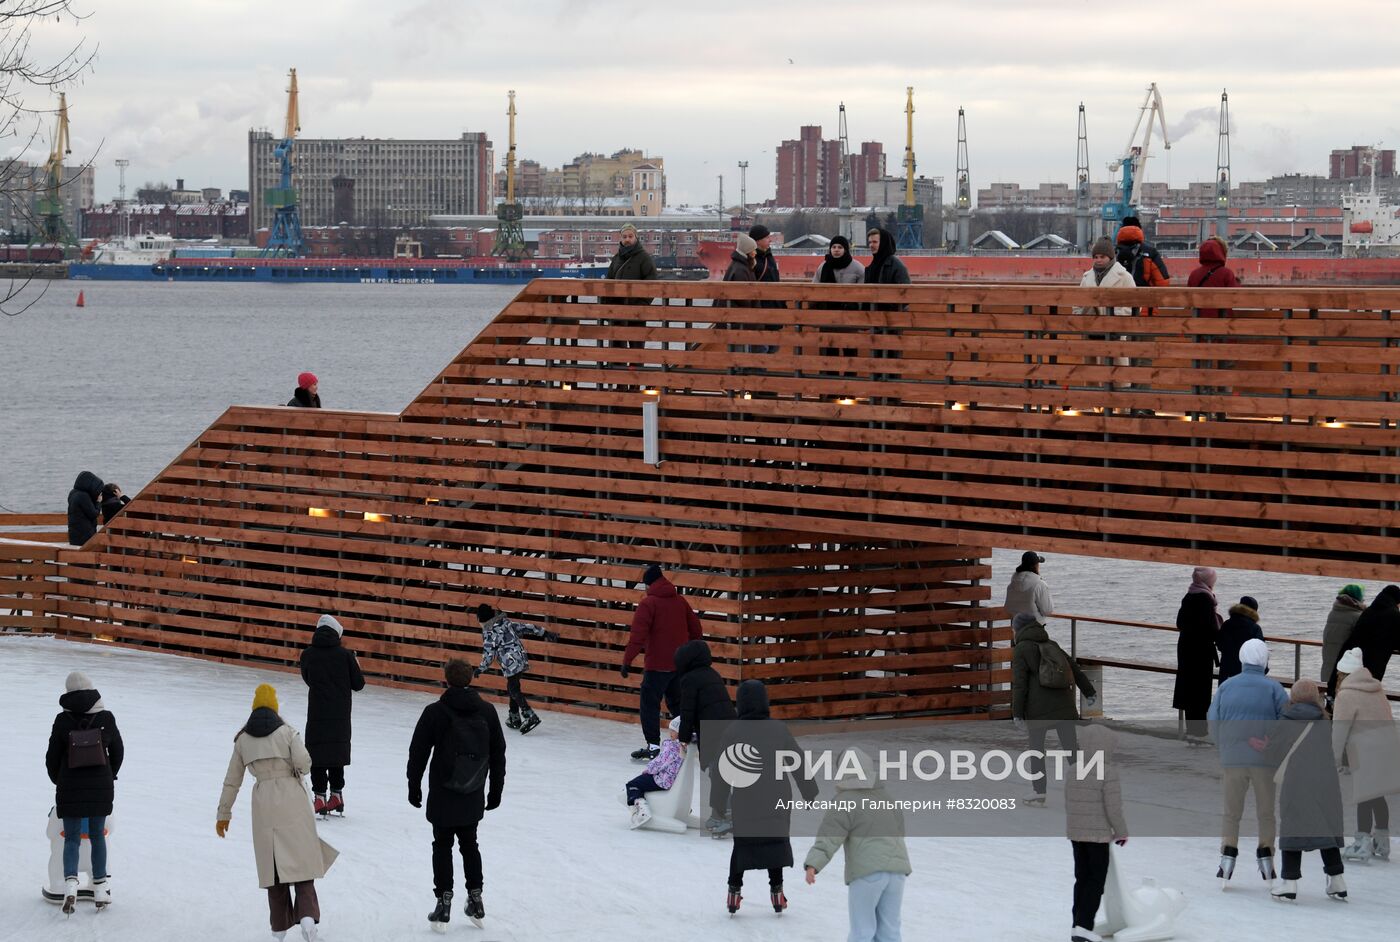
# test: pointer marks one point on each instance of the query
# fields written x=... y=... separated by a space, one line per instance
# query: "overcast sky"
x=176 y=85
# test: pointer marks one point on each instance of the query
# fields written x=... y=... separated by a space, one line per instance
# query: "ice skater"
x=1093 y=820
x=871 y=831
x=332 y=675
x=706 y=712
x=289 y=854
x=501 y=641
x=84 y=756
x=662 y=623
x=659 y=776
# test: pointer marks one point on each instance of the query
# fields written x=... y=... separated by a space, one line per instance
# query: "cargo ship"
x=417 y=271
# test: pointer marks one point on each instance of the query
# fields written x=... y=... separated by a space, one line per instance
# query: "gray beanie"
x=1022 y=620
x=745 y=245
x=1103 y=246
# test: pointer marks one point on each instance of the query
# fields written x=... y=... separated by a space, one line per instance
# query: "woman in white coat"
x=1364 y=740
x=289 y=854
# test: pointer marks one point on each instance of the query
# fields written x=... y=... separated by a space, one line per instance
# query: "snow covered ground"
x=560 y=861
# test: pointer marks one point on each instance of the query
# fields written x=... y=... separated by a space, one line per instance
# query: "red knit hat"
x=306 y=380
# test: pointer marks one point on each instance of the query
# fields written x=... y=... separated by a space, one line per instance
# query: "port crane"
x=1082 y=232
x=510 y=235
x=846 y=217
x=964 y=194
x=1222 y=169
x=53 y=228
x=910 y=217
x=1133 y=163
x=285 y=237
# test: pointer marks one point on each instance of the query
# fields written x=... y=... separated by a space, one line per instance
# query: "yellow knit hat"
x=265 y=696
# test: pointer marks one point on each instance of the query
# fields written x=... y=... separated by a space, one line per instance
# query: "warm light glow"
x=1188 y=418
x=959 y=407
x=375 y=518
x=651 y=391
x=1067 y=411
x=566 y=386
x=431 y=500
x=190 y=559
x=107 y=638
x=1333 y=423
x=846 y=401
x=318 y=512
x=748 y=395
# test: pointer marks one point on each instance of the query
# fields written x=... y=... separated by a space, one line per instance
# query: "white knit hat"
x=78 y=681
x=331 y=620
x=1350 y=662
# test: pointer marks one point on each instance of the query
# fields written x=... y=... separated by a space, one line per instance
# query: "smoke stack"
x=179 y=183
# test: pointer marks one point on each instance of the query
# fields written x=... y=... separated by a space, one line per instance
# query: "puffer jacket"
x=872 y=833
x=1029 y=700
x=1340 y=622
x=1028 y=594
x=1364 y=737
x=1141 y=260
x=663 y=622
x=1116 y=277
x=1310 y=798
x=667 y=764
x=706 y=709
x=82 y=508
x=501 y=640
x=1094 y=804
x=1241 y=626
x=1212 y=273
x=88 y=791
x=332 y=675
x=632 y=263
x=1246 y=706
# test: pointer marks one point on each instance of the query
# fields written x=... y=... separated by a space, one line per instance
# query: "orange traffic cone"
x=80 y=300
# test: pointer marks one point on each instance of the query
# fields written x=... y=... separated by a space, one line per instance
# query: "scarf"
x=1203 y=582
x=832 y=265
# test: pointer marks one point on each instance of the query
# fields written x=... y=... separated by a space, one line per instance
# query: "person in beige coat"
x=1365 y=742
x=289 y=854
x=1093 y=820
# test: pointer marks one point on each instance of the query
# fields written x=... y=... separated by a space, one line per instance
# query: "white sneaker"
x=1080 y=934
x=308 y=929
x=641 y=814
x=1336 y=887
x=1360 y=849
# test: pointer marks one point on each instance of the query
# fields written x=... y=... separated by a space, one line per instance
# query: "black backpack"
x=470 y=744
x=85 y=747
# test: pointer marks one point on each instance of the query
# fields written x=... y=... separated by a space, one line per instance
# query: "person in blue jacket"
x=1245 y=707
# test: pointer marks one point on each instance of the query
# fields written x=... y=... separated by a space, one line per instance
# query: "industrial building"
x=223 y=220
x=381 y=181
x=590 y=184
x=25 y=184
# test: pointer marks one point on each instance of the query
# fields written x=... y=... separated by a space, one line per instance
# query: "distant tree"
x=150 y=192
x=797 y=225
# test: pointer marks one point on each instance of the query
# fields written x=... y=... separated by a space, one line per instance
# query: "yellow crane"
x=911 y=215
x=53 y=228
x=510 y=235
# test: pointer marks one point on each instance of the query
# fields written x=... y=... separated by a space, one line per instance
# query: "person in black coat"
x=885 y=268
x=1198 y=625
x=762 y=824
x=706 y=711
x=1377 y=634
x=332 y=675
x=82 y=508
x=462 y=734
x=113 y=502
x=1242 y=625
x=86 y=791
x=307 y=395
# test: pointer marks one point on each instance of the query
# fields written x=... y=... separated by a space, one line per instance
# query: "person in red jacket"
x=1213 y=273
x=663 y=622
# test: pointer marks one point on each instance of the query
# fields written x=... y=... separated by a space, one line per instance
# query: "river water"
x=122 y=385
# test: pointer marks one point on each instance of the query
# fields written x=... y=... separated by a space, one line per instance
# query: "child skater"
x=500 y=640
x=659 y=776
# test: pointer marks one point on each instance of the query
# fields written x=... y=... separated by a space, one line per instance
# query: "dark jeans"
x=1293 y=862
x=442 y=857
x=736 y=876
x=96 y=827
x=1090 y=875
x=283 y=913
x=719 y=792
x=655 y=685
x=518 y=703
x=1374 y=810
x=1197 y=726
x=1065 y=732
x=320 y=774
x=639 y=786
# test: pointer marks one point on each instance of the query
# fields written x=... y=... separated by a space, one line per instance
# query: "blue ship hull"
x=349 y=272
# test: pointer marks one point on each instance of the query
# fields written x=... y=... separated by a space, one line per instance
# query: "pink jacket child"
x=660 y=775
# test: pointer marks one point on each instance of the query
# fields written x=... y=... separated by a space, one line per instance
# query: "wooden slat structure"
x=837 y=463
x=28 y=550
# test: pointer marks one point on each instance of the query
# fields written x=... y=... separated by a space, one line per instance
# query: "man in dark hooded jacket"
x=1377 y=634
x=333 y=674
x=706 y=711
x=884 y=268
x=462 y=734
x=662 y=623
x=82 y=508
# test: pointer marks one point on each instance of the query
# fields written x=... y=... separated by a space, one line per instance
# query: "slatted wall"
x=28 y=550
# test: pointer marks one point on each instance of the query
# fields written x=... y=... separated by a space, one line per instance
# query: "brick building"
x=26 y=183
x=396 y=182
x=1356 y=163
x=222 y=220
x=808 y=171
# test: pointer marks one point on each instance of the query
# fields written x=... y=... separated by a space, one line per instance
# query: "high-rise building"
x=1356 y=162
x=809 y=170
x=24 y=184
x=396 y=182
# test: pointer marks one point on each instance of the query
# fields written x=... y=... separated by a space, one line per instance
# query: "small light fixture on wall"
x=651 y=433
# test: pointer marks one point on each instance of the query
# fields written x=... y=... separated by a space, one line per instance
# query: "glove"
x=415 y=796
x=551 y=636
x=1092 y=699
x=493 y=801
x=626 y=671
x=220 y=827
x=1020 y=724
x=1122 y=841
x=476 y=672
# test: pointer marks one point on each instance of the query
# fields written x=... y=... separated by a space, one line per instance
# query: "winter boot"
x=1037 y=800
x=442 y=913
x=529 y=720
x=280 y=936
x=1336 y=887
x=308 y=929
x=1228 y=856
x=102 y=893
x=641 y=814
x=1359 y=850
x=336 y=805
x=70 y=895
x=734 y=899
x=1380 y=839
x=513 y=719
x=1265 y=858
x=1287 y=890
x=1080 y=934
x=779 y=901
x=320 y=804
x=646 y=753
x=475 y=908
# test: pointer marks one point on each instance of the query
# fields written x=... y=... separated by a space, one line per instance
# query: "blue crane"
x=285 y=237
x=1133 y=163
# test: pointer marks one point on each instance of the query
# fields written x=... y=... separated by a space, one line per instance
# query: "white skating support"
x=55 y=890
x=674 y=810
x=1144 y=914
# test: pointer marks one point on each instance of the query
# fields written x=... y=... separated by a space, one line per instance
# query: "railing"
x=1298 y=644
x=29 y=546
